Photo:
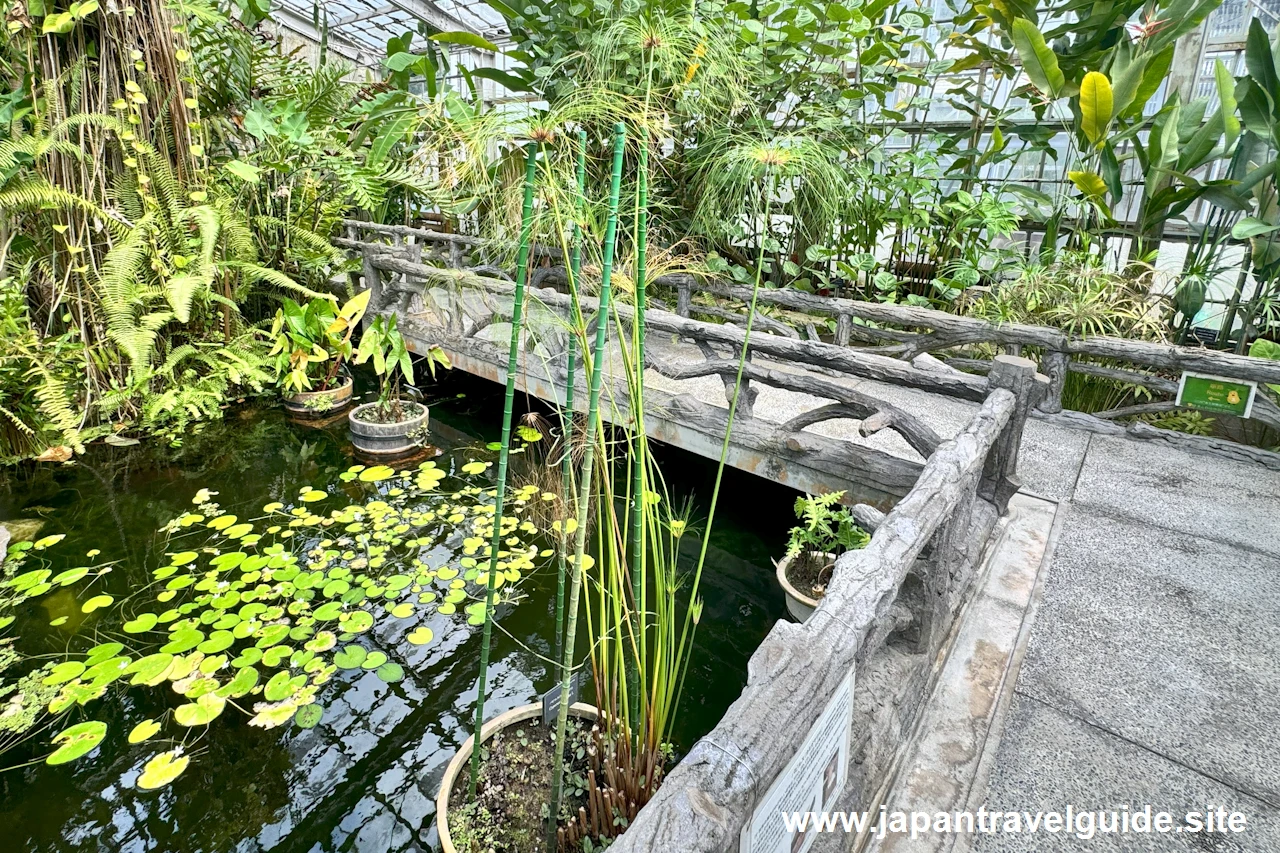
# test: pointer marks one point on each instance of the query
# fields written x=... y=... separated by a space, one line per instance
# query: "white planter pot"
x=799 y=605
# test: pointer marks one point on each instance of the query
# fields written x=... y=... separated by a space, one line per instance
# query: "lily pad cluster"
x=257 y=614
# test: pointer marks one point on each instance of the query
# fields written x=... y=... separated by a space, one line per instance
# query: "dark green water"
x=365 y=778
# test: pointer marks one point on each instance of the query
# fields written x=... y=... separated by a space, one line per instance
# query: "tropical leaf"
x=1096 y=103
x=1038 y=61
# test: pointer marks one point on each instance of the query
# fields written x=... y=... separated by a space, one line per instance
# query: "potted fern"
x=828 y=529
x=390 y=425
x=311 y=346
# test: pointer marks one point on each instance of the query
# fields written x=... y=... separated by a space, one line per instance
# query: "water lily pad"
x=163 y=769
x=351 y=657
x=64 y=672
x=218 y=641
x=359 y=621
x=143 y=622
x=390 y=672
x=376 y=474
x=322 y=641
x=143 y=730
x=402 y=611
x=474 y=467
x=447 y=609
x=222 y=522
x=101 y=652
x=313 y=495
x=70 y=576
x=271 y=635
x=76 y=741
x=281 y=686
x=420 y=636
x=183 y=640
x=229 y=560
x=97 y=603
x=374 y=660
x=150 y=670
x=236 y=531
x=200 y=712
x=308 y=716
x=53 y=623
x=275 y=656
x=183 y=557
x=246 y=679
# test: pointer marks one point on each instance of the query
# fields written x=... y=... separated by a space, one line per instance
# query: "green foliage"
x=1192 y=423
x=311 y=343
x=257 y=615
x=383 y=344
x=1076 y=294
x=828 y=527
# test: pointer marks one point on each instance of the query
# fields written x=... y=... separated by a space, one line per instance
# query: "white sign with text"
x=812 y=779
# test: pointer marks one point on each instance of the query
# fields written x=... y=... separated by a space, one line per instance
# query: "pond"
x=364 y=777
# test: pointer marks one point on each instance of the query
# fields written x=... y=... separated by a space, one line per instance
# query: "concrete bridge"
x=1057 y=609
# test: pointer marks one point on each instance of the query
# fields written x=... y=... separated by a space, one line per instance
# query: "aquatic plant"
x=256 y=615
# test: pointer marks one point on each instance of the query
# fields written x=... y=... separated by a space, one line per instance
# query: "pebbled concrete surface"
x=1152 y=673
x=1050 y=759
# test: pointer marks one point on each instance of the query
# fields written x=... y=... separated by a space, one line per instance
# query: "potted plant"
x=390 y=425
x=828 y=530
x=312 y=343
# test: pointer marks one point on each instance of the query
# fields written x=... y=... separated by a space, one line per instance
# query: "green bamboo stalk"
x=566 y=464
x=584 y=484
x=638 y=552
x=513 y=364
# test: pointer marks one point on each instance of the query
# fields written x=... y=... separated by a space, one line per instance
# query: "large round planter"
x=386 y=439
x=799 y=605
x=462 y=760
x=315 y=403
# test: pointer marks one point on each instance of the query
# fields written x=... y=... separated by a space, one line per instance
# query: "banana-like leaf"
x=1040 y=63
x=466 y=39
x=1157 y=69
x=1258 y=58
x=1089 y=183
x=1252 y=226
x=391 y=133
x=1096 y=102
x=1227 y=103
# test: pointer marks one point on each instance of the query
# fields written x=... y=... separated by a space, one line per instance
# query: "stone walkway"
x=1152 y=672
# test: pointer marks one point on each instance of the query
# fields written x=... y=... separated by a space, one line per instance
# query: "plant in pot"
x=311 y=346
x=828 y=530
x=390 y=425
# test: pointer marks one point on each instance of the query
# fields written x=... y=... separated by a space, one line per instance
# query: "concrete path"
x=1148 y=672
x=1152 y=674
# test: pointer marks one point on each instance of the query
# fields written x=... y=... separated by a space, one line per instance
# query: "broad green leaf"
x=351 y=657
x=243 y=171
x=150 y=670
x=1040 y=63
x=390 y=672
x=1251 y=226
x=1089 y=183
x=143 y=730
x=200 y=712
x=1095 y=106
x=466 y=39
x=308 y=716
x=64 y=672
x=163 y=769
x=76 y=741
x=144 y=622
x=97 y=603
x=420 y=636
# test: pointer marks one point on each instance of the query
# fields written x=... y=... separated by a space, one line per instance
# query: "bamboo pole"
x=513 y=366
x=584 y=486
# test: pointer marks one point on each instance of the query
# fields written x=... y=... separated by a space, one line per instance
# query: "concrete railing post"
x=1054 y=365
x=1017 y=375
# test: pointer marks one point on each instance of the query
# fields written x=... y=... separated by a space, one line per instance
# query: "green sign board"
x=1216 y=394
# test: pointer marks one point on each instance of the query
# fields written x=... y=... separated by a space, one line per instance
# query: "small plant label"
x=1217 y=394
x=551 y=699
x=811 y=781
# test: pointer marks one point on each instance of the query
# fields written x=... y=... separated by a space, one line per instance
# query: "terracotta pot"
x=461 y=762
x=799 y=605
x=319 y=402
x=387 y=439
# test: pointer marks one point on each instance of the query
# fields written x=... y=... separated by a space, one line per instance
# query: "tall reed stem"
x=638 y=514
x=513 y=364
x=584 y=485
x=566 y=464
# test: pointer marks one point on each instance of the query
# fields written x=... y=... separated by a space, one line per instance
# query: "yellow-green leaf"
x=1095 y=106
x=1088 y=183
